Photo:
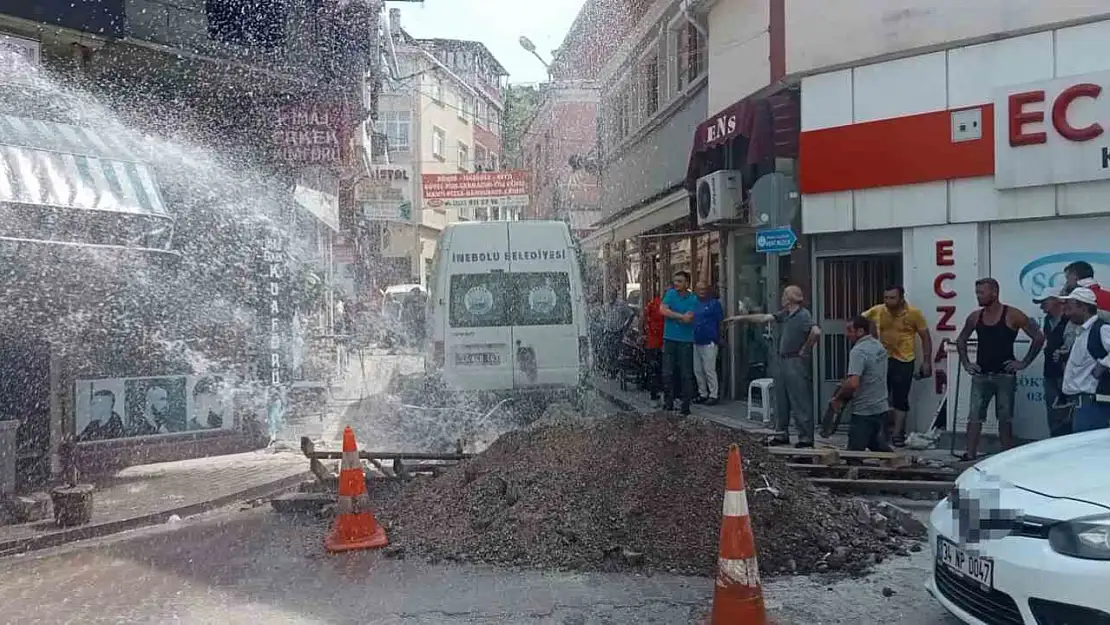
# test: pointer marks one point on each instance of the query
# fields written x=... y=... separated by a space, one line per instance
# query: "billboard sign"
x=128 y=407
x=499 y=188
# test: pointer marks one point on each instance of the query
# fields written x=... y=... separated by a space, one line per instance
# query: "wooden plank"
x=822 y=456
x=939 y=475
x=885 y=458
x=882 y=485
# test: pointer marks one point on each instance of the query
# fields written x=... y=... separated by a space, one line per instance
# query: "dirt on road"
x=632 y=492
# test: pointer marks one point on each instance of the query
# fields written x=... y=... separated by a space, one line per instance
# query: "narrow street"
x=253 y=566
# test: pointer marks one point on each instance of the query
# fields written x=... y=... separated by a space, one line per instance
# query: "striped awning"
x=66 y=180
x=66 y=166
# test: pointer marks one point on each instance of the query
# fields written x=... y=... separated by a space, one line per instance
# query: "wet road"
x=254 y=566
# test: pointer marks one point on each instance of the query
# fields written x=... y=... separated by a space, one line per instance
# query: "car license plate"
x=978 y=568
x=478 y=358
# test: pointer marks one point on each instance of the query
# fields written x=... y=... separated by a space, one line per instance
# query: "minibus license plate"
x=477 y=358
x=978 y=568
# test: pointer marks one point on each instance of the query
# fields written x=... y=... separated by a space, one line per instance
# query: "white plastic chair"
x=763 y=409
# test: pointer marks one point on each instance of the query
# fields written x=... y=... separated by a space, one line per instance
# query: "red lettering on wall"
x=938 y=285
x=945 y=257
x=1060 y=112
x=1019 y=118
x=944 y=324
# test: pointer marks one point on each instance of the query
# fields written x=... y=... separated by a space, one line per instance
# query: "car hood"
x=1074 y=467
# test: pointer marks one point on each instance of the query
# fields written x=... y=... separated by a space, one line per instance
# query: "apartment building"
x=559 y=147
x=441 y=113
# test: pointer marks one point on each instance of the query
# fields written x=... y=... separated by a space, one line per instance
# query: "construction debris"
x=631 y=492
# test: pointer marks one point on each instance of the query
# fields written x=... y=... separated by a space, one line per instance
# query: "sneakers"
x=712 y=401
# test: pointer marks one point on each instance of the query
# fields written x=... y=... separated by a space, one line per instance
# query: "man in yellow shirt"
x=898 y=325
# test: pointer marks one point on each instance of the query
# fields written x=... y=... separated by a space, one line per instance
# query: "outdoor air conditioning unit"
x=720 y=197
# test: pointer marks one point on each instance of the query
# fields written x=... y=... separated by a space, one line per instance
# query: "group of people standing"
x=683 y=330
x=682 y=334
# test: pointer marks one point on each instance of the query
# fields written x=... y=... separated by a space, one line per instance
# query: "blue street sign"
x=775 y=240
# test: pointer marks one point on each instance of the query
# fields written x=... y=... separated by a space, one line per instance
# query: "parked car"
x=1024 y=537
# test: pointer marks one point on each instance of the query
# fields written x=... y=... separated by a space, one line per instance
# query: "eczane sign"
x=1052 y=132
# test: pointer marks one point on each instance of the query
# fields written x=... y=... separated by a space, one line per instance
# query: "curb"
x=626 y=405
x=107 y=528
x=613 y=399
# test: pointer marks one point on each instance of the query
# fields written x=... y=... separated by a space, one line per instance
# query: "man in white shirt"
x=1087 y=374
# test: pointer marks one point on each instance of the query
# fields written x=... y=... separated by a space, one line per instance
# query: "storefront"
x=755 y=137
x=987 y=160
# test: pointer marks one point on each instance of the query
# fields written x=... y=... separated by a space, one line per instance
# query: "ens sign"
x=1053 y=132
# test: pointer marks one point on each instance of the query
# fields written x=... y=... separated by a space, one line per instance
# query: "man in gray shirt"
x=798 y=334
x=865 y=385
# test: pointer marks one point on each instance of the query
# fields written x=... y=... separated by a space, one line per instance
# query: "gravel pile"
x=632 y=492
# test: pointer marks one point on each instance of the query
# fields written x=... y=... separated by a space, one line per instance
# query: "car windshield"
x=484 y=300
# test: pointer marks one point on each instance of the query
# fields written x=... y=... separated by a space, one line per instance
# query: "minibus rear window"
x=510 y=299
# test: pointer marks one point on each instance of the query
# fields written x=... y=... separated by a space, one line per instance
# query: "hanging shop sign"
x=386 y=194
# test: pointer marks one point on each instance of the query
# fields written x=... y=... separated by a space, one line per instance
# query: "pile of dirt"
x=631 y=492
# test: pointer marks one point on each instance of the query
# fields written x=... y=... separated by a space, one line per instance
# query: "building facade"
x=559 y=147
x=441 y=114
x=985 y=157
x=276 y=91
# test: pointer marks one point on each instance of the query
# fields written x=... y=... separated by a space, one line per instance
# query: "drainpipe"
x=693 y=22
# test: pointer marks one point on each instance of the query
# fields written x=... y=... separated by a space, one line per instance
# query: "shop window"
x=255 y=23
x=494 y=165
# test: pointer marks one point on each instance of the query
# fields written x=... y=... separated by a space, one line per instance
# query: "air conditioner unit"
x=720 y=197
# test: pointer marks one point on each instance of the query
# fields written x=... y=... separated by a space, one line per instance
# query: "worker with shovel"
x=866 y=386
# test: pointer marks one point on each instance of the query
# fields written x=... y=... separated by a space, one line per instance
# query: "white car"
x=1024 y=538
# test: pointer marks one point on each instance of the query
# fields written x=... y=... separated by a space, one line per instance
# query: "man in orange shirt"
x=653 y=345
x=898 y=325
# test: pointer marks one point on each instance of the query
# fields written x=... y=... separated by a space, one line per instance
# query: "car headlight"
x=1086 y=537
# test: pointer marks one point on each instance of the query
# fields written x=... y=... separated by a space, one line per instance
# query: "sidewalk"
x=733 y=414
x=150 y=494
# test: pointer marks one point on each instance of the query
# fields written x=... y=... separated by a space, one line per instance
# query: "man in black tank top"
x=994 y=372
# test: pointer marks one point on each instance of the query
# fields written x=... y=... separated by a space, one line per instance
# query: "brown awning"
x=770 y=125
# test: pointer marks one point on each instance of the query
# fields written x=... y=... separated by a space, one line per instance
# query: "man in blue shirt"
x=678 y=343
x=707 y=335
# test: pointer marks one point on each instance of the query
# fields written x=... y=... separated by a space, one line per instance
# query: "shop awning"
x=62 y=180
x=770 y=125
x=667 y=209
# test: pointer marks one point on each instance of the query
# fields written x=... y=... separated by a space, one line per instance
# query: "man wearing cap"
x=1087 y=374
x=1059 y=334
x=1081 y=274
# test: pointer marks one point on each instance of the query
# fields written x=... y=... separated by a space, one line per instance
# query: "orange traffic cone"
x=355 y=526
x=738 y=594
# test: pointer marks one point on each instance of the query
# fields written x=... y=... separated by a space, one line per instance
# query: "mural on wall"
x=127 y=407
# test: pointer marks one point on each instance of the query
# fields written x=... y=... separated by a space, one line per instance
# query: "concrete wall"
x=956 y=78
x=820 y=35
x=184 y=24
x=739 y=50
x=655 y=160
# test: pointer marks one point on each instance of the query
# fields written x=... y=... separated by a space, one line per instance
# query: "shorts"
x=1001 y=387
x=899 y=381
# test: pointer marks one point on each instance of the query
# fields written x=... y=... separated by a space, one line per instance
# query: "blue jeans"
x=1090 y=415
